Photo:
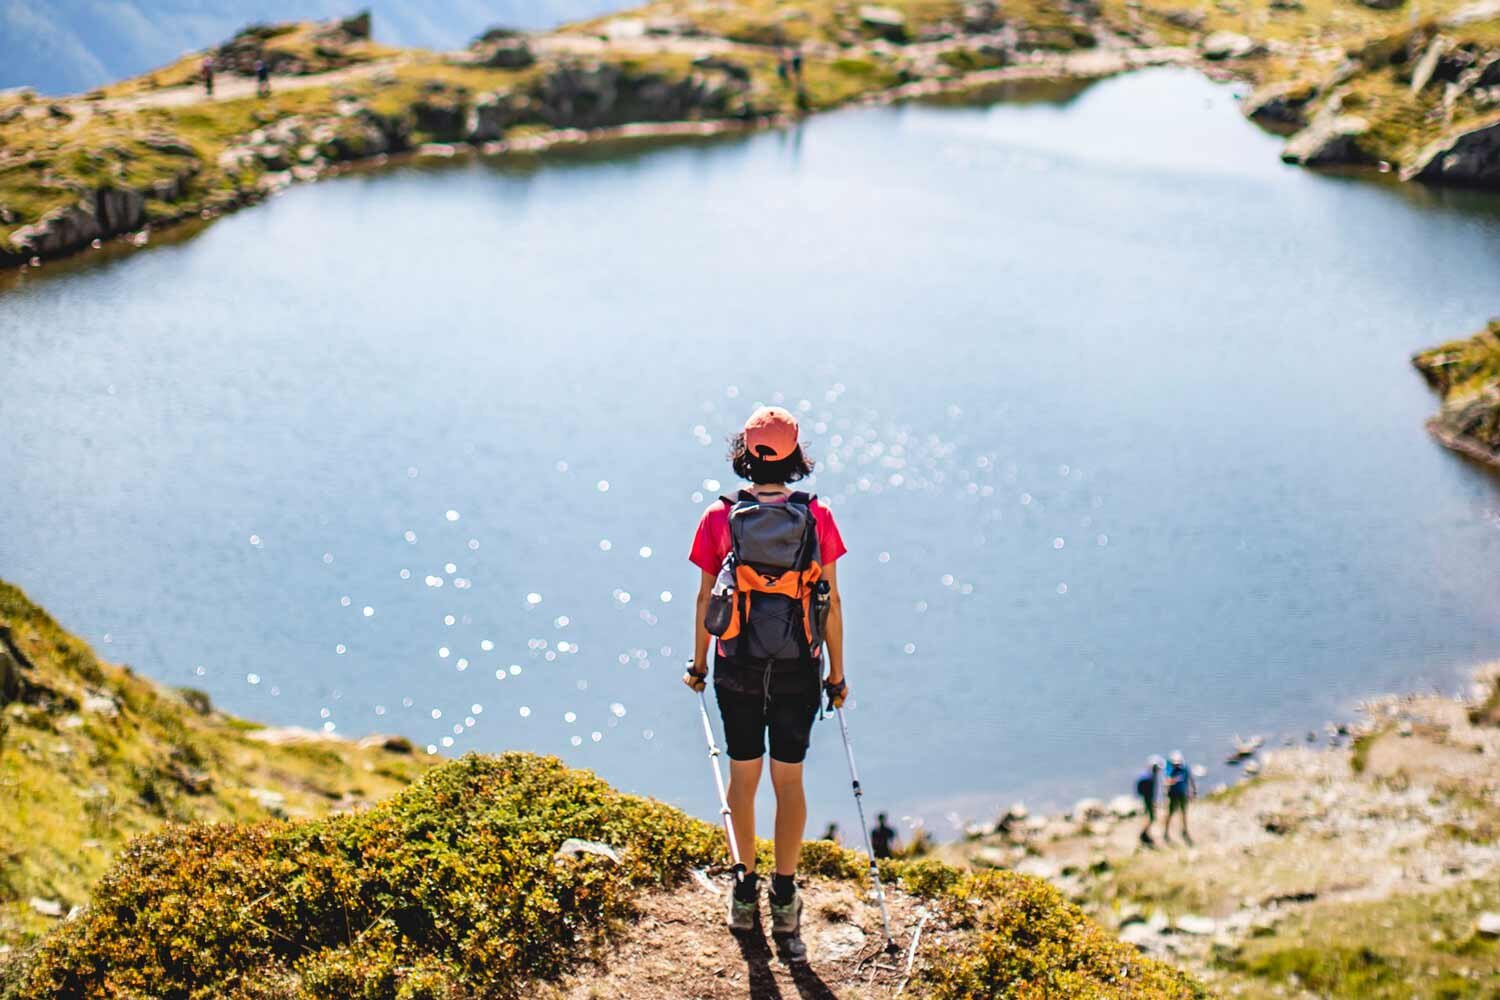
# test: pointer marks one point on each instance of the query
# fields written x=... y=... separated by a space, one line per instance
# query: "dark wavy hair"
x=762 y=471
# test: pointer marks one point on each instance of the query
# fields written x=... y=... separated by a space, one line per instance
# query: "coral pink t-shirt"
x=712 y=543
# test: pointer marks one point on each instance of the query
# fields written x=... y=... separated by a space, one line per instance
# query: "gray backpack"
x=769 y=601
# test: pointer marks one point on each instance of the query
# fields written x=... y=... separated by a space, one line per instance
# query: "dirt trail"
x=233 y=88
x=679 y=948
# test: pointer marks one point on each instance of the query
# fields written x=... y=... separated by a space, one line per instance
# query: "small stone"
x=47 y=907
x=573 y=848
x=839 y=941
x=1488 y=925
x=98 y=704
x=1195 y=925
x=1228 y=45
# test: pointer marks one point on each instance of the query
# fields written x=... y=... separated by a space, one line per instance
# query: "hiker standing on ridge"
x=262 y=79
x=883 y=837
x=1181 y=786
x=769 y=592
x=1148 y=786
x=208 y=76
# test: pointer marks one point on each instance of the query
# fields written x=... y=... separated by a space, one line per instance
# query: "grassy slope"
x=449 y=888
x=79 y=779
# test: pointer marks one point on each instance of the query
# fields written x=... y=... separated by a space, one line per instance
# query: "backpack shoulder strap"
x=805 y=499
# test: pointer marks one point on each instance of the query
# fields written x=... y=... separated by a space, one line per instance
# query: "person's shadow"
x=758 y=958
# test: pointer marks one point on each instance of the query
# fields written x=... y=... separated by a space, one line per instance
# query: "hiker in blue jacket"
x=1181 y=786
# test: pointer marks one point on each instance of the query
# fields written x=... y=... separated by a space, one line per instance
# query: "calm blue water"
x=1114 y=409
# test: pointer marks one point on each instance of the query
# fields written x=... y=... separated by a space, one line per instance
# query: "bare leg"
x=744 y=779
x=791 y=814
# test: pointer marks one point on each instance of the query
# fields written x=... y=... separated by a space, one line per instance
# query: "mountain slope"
x=68 y=46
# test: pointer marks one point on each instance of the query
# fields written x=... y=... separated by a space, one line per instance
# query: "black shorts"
x=750 y=708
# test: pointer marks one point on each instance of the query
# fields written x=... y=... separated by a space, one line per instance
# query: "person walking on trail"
x=832 y=835
x=262 y=79
x=208 y=76
x=769 y=593
x=883 y=838
x=1181 y=786
x=1148 y=787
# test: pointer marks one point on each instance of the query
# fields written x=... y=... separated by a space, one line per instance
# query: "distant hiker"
x=832 y=834
x=1148 y=787
x=262 y=79
x=208 y=76
x=883 y=838
x=769 y=592
x=1181 y=786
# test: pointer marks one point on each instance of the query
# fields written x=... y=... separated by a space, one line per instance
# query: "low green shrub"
x=451 y=883
x=1033 y=943
x=455 y=888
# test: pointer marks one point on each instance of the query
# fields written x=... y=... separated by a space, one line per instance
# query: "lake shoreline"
x=1378 y=840
x=1085 y=67
x=356 y=103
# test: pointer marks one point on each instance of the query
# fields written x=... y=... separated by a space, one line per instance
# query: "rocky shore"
x=1358 y=84
x=1366 y=867
x=1466 y=373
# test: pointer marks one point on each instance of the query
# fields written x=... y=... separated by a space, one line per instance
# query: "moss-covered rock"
x=1467 y=375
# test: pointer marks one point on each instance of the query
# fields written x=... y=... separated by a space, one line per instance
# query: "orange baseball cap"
x=771 y=433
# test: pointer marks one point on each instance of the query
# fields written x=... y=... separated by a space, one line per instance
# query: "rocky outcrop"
x=1467 y=374
x=1470 y=156
x=1229 y=45
x=1281 y=106
x=883 y=22
x=597 y=95
x=100 y=214
x=1332 y=139
x=490 y=115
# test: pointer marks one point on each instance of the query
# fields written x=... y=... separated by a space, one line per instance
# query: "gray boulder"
x=883 y=22
x=1331 y=139
x=506 y=53
x=1280 y=105
x=1228 y=45
x=1468 y=157
x=491 y=114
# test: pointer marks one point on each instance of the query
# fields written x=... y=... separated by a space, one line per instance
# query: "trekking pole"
x=859 y=804
x=728 y=817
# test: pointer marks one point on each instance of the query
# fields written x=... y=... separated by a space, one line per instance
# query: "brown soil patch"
x=679 y=948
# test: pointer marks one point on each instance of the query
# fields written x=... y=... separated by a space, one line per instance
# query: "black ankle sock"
x=746 y=887
x=783 y=888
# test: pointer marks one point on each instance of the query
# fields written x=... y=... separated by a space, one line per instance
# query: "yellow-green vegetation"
x=1045 y=24
x=1033 y=943
x=455 y=887
x=1466 y=373
x=1412 y=947
x=250 y=872
x=92 y=755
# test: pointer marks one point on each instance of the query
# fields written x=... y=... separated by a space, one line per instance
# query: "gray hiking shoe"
x=742 y=915
x=787 y=920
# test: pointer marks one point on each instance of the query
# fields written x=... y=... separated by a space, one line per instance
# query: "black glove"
x=836 y=693
x=694 y=679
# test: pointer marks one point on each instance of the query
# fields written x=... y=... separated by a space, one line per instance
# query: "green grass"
x=77 y=786
x=1419 y=945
